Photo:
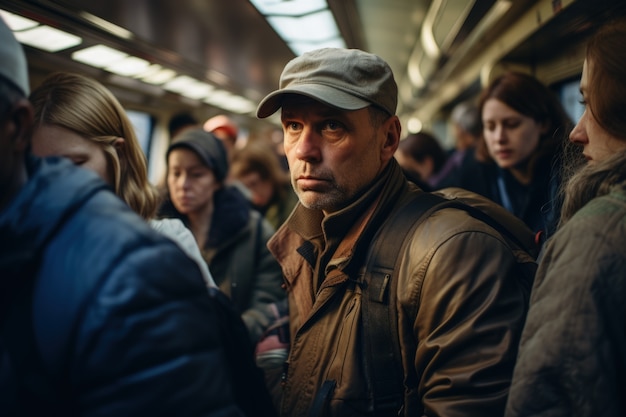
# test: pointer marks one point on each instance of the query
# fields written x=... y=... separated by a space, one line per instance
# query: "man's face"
x=333 y=155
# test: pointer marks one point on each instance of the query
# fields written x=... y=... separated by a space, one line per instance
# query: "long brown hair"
x=85 y=106
x=606 y=100
x=528 y=96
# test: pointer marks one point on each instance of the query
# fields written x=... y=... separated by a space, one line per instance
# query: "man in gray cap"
x=454 y=303
x=99 y=315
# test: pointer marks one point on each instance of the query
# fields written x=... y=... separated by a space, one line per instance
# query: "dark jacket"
x=572 y=359
x=460 y=308
x=238 y=258
x=121 y=318
x=536 y=203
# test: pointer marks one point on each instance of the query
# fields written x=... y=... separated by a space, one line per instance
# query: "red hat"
x=221 y=122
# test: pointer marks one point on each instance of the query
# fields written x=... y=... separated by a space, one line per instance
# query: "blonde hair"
x=85 y=106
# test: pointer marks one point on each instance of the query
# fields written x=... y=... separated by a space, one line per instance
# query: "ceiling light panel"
x=156 y=74
x=304 y=25
x=16 y=22
x=315 y=27
x=98 y=56
x=47 y=38
x=289 y=8
x=128 y=67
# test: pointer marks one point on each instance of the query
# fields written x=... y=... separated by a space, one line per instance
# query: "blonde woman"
x=78 y=118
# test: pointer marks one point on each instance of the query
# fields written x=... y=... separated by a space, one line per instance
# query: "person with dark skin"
x=100 y=314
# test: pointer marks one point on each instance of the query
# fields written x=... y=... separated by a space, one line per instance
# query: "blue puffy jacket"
x=121 y=318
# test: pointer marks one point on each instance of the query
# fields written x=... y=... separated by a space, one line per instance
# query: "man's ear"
x=19 y=124
x=392 y=128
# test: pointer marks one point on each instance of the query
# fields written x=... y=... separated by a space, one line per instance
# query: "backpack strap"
x=379 y=314
x=380 y=321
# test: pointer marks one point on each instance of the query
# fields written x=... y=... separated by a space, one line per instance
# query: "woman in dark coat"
x=231 y=235
x=515 y=164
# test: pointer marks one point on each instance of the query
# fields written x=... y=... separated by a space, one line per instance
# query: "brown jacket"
x=460 y=309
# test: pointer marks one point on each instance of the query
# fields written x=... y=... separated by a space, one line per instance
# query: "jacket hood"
x=55 y=189
x=230 y=215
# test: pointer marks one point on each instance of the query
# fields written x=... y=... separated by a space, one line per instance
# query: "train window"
x=143 y=124
x=569 y=93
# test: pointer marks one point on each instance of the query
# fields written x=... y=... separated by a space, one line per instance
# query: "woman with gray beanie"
x=231 y=235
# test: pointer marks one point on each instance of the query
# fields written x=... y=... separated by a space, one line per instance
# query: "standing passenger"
x=458 y=307
x=467 y=129
x=225 y=130
x=523 y=128
x=421 y=156
x=80 y=119
x=99 y=314
x=179 y=123
x=231 y=235
x=257 y=166
x=572 y=360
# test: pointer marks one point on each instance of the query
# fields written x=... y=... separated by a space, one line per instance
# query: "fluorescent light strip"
x=189 y=87
x=29 y=32
x=129 y=66
x=47 y=38
x=315 y=27
x=98 y=56
x=227 y=101
x=16 y=22
x=50 y=39
x=156 y=74
x=109 y=59
x=304 y=25
x=289 y=8
x=44 y=37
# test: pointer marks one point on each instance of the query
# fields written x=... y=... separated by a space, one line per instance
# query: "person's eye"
x=333 y=125
x=292 y=126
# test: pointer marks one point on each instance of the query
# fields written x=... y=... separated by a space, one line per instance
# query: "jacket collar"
x=325 y=234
